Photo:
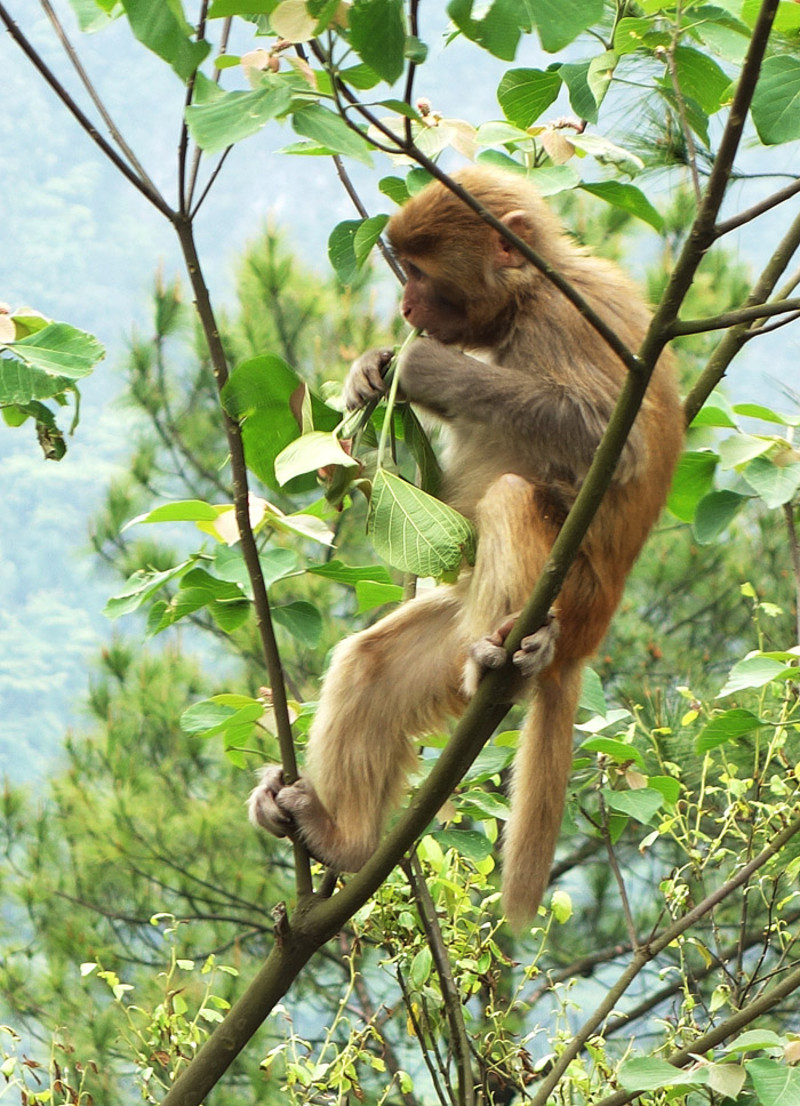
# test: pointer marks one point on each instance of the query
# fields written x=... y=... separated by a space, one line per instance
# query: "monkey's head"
x=465 y=280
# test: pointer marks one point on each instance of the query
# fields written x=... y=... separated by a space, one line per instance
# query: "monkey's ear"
x=506 y=255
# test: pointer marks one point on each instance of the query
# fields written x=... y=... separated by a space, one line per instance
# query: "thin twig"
x=450 y=993
x=727 y=319
x=150 y=193
x=751 y=213
x=95 y=98
x=688 y=138
x=794 y=550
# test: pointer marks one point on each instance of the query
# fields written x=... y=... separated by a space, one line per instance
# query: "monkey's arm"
x=564 y=418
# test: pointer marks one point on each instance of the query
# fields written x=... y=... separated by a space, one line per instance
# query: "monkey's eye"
x=413 y=271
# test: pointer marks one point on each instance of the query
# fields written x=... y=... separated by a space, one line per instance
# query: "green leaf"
x=371 y=594
x=700 y=78
x=754 y=672
x=276 y=564
x=759 y=411
x=310 y=452
x=469 y=843
x=775 y=484
x=498 y=31
x=260 y=391
x=641 y=804
x=341 y=250
x=525 y=93
x=575 y=76
x=756 y=1039
x=559 y=22
x=592 y=695
x=693 y=479
x=61 y=350
x=741 y=448
x=714 y=514
x=638 y=34
x=302 y=620
x=415 y=532
x=627 y=197
x=351 y=574
x=212 y=716
x=561 y=905
x=714 y=414
x=232 y=116
x=19 y=383
x=618 y=751
x=378 y=35
x=420 y=968
x=182 y=510
x=725 y=727
x=367 y=235
x=395 y=188
x=331 y=131
x=140 y=586
x=775 y=1083
x=648 y=1074
x=667 y=786
x=160 y=27
x=776 y=101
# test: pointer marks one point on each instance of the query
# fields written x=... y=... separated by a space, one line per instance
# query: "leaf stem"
x=391 y=398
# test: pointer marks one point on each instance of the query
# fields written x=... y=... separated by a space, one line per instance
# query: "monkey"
x=523 y=386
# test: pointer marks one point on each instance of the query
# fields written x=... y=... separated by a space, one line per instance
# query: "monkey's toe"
x=537 y=650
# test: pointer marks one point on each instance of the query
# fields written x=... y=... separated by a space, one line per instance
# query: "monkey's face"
x=431 y=306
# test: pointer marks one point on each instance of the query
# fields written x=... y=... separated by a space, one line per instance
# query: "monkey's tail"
x=538 y=788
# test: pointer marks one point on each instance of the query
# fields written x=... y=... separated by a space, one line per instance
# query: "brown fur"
x=525 y=388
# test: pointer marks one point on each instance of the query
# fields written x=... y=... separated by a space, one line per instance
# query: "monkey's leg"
x=514 y=541
x=396 y=680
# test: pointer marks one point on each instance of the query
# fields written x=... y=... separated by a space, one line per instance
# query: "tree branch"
x=143 y=186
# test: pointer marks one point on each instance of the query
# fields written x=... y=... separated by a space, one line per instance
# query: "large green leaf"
x=310 y=452
x=232 y=116
x=61 y=350
x=700 y=78
x=260 y=392
x=415 y=532
x=775 y=1084
x=629 y=198
x=725 y=727
x=775 y=484
x=693 y=479
x=331 y=132
x=499 y=29
x=19 y=383
x=378 y=35
x=159 y=25
x=525 y=93
x=559 y=22
x=776 y=101
x=714 y=514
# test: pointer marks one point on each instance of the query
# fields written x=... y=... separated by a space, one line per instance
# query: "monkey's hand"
x=365 y=381
x=290 y=810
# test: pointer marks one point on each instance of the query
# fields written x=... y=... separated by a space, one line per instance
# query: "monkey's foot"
x=536 y=651
x=296 y=811
x=287 y=810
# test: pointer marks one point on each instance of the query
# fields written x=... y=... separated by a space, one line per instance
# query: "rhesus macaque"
x=524 y=388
